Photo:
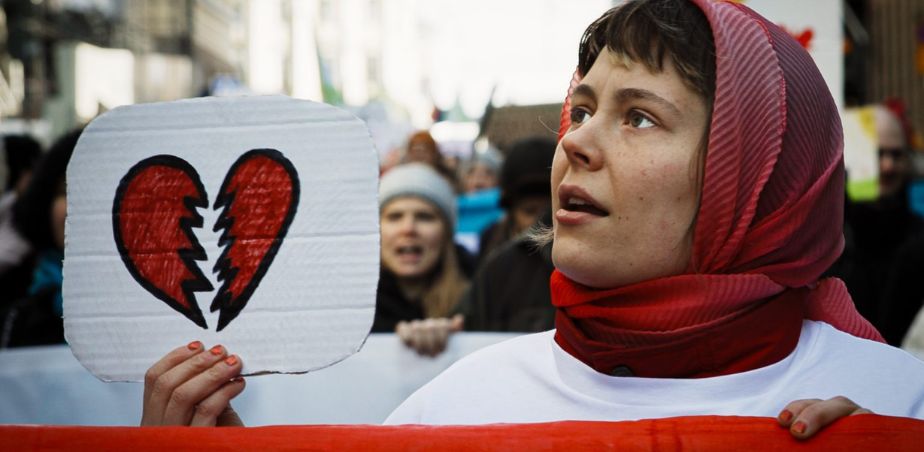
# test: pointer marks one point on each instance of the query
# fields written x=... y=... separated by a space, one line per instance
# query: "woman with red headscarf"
x=697 y=198
x=697 y=193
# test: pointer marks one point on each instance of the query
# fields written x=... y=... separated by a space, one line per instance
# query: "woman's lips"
x=573 y=218
x=409 y=254
x=577 y=206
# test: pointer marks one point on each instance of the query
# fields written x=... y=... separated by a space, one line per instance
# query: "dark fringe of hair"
x=648 y=31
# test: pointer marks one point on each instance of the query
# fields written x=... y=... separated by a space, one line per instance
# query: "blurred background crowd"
x=463 y=103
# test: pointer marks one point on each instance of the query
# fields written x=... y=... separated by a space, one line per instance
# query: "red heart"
x=155 y=208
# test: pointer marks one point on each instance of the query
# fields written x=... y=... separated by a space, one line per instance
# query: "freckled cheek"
x=674 y=177
x=664 y=191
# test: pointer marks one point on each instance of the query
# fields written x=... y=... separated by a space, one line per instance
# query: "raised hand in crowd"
x=429 y=336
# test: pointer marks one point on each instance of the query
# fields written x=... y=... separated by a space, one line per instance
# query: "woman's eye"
x=579 y=116
x=425 y=217
x=639 y=121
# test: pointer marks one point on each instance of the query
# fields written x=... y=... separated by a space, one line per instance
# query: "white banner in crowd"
x=46 y=385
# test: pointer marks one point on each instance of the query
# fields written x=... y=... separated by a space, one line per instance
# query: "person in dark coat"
x=34 y=318
x=22 y=153
x=874 y=265
x=510 y=290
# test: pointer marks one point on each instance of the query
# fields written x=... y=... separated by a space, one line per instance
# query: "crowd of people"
x=430 y=284
x=32 y=214
x=697 y=196
x=507 y=275
x=693 y=244
x=503 y=283
x=882 y=260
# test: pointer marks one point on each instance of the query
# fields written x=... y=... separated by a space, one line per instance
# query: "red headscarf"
x=769 y=224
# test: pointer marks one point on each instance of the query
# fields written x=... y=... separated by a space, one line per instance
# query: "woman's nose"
x=408 y=225
x=582 y=149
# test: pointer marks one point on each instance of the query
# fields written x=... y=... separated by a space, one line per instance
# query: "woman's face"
x=412 y=237
x=894 y=159
x=624 y=190
x=480 y=177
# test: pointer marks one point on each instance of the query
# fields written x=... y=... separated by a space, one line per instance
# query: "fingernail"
x=237 y=379
x=231 y=360
x=785 y=416
x=799 y=427
x=217 y=350
x=194 y=345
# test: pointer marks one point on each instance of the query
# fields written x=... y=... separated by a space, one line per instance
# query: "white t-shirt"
x=531 y=379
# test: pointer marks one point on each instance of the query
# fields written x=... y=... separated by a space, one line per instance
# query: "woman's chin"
x=409 y=272
x=578 y=270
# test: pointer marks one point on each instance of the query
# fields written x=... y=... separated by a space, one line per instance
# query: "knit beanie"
x=418 y=179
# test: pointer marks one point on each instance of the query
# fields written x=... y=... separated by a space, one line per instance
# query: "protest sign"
x=250 y=222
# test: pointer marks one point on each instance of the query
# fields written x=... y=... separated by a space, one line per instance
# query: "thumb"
x=456 y=323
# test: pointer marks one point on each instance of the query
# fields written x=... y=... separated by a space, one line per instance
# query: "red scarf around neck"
x=769 y=224
x=659 y=329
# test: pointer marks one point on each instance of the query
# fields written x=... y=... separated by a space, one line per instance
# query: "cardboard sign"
x=250 y=222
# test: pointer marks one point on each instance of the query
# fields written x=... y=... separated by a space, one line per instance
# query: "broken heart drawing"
x=154 y=212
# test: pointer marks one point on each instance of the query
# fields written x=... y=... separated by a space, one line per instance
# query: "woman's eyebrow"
x=584 y=90
x=627 y=94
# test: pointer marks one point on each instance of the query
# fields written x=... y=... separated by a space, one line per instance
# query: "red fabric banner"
x=862 y=432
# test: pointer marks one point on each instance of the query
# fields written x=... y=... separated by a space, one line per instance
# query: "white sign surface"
x=250 y=222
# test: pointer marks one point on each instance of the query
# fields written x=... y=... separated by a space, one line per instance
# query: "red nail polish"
x=216 y=350
x=799 y=427
x=231 y=360
x=194 y=345
x=785 y=416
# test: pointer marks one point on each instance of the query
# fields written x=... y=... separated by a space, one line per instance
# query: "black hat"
x=22 y=152
x=527 y=170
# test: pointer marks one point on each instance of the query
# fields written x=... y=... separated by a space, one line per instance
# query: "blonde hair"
x=448 y=284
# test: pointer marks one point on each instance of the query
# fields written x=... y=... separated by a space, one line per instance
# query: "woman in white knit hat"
x=423 y=273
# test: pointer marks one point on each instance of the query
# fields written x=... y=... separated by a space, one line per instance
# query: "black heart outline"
x=187 y=255
x=231 y=308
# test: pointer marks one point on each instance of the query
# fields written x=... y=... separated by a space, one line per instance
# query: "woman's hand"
x=804 y=418
x=429 y=336
x=193 y=386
